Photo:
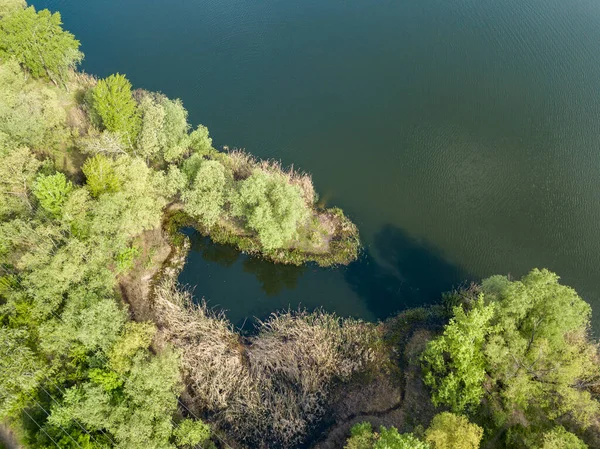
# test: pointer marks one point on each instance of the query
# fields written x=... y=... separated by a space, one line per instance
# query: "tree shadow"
x=411 y=273
x=272 y=277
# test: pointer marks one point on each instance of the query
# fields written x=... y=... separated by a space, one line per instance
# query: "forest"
x=100 y=347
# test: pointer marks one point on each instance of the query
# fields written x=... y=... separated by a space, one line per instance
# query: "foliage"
x=363 y=437
x=10 y=6
x=454 y=363
x=208 y=193
x=559 y=438
x=272 y=207
x=540 y=357
x=18 y=169
x=20 y=371
x=38 y=42
x=191 y=433
x=30 y=113
x=450 y=431
x=52 y=192
x=113 y=101
x=200 y=141
x=126 y=258
x=100 y=175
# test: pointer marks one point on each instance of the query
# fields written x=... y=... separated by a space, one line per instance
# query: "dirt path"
x=7 y=438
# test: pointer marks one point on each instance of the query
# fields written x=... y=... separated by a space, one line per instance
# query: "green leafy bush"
x=209 y=191
x=450 y=431
x=272 y=207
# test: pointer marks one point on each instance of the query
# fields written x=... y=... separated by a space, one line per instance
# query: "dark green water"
x=462 y=136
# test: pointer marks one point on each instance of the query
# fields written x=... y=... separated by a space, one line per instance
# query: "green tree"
x=391 y=439
x=151 y=139
x=208 y=193
x=21 y=371
x=191 y=433
x=100 y=175
x=113 y=101
x=18 y=169
x=540 y=358
x=38 y=42
x=200 y=141
x=52 y=192
x=175 y=129
x=559 y=438
x=363 y=437
x=272 y=207
x=454 y=363
x=30 y=113
x=10 y=6
x=450 y=431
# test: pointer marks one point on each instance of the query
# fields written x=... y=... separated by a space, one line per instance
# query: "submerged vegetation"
x=99 y=346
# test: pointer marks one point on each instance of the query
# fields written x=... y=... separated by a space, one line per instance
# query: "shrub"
x=208 y=193
x=272 y=207
x=450 y=431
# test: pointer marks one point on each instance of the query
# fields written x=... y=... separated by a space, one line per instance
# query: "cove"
x=461 y=137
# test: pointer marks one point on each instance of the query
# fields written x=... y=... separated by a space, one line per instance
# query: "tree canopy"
x=38 y=42
x=114 y=104
x=271 y=206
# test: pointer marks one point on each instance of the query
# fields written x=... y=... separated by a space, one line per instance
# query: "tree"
x=191 y=433
x=454 y=364
x=363 y=437
x=208 y=194
x=450 y=431
x=100 y=175
x=200 y=141
x=20 y=370
x=151 y=139
x=175 y=129
x=38 y=42
x=10 y=6
x=272 y=207
x=113 y=101
x=559 y=438
x=52 y=192
x=391 y=439
x=30 y=114
x=18 y=169
x=540 y=358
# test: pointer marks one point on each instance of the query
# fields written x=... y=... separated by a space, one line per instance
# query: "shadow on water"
x=273 y=278
x=406 y=273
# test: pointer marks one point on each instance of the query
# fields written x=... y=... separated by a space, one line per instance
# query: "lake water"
x=462 y=136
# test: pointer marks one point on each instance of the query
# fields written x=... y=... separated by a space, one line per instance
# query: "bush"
x=191 y=433
x=209 y=191
x=450 y=431
x=363 y=437
x=272 y=207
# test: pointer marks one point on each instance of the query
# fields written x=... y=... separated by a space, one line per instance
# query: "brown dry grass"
x=273 y=386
